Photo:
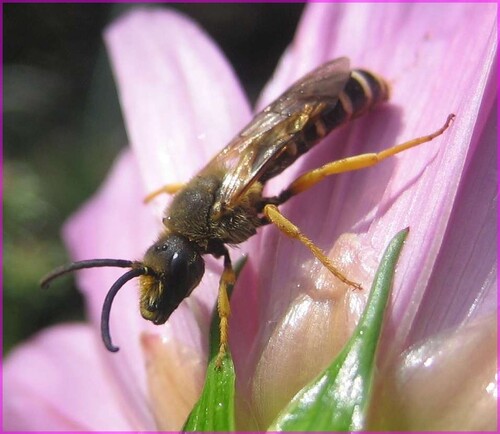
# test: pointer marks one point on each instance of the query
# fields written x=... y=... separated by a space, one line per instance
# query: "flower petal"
x=433 y=388
x=309 y=336
x=101 y=229
x=114 y=214
x=181 y=100
x=420 y=49
x=37 y=395
x=469 y=248
x=418 y=187
x=172 y=367
x=178 y=94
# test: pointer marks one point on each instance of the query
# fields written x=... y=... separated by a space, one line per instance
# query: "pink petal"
x=448 y=382
x=172 y=367
x=307 y=338
x=178 y=93
x=469 y=249
x=163 y=63
x=407 y=44
x=420 y=49
x=102 y=229
x=57 y=381
x=181 y=100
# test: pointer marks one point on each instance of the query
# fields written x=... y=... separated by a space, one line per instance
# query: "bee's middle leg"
x=273 y=215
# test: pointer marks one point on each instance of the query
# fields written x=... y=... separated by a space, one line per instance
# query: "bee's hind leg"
x=356 y=162
x=273 y=215
x=168 y=189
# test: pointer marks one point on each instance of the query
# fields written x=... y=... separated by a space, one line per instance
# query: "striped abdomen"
x=362 y=92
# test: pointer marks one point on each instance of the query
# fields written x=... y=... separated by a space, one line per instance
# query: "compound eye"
x=186 y=269
x=178 y=265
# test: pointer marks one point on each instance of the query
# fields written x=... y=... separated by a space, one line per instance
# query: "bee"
x=224 y=203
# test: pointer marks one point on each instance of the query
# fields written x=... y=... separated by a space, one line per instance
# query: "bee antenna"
x=91 y=263
x=106 y=307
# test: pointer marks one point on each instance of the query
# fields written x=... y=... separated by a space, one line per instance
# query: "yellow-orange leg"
x=227 y=279
x=288 y=228
x=307 y=180
x=168 y=189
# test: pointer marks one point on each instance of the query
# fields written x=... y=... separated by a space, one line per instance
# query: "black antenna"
x=106 y=307
x=137 y=269
x=91 y=263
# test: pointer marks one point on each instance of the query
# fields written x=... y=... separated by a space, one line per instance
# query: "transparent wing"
x=259 y=147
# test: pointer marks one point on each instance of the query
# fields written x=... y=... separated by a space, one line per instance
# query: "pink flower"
x=182 y=103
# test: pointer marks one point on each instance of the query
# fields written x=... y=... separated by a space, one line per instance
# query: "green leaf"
x=337 y=399
x=215 y=409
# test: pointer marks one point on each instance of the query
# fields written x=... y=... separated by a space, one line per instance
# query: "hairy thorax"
x=191 y=213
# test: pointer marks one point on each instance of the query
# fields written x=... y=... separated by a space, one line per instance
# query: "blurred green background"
x=62 y=128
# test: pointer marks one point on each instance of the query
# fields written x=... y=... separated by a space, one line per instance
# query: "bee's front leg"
x=227 y=280
x=168 y=189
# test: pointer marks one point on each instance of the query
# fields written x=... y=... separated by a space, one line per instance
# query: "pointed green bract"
x=337 y=399
x=214 y=411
